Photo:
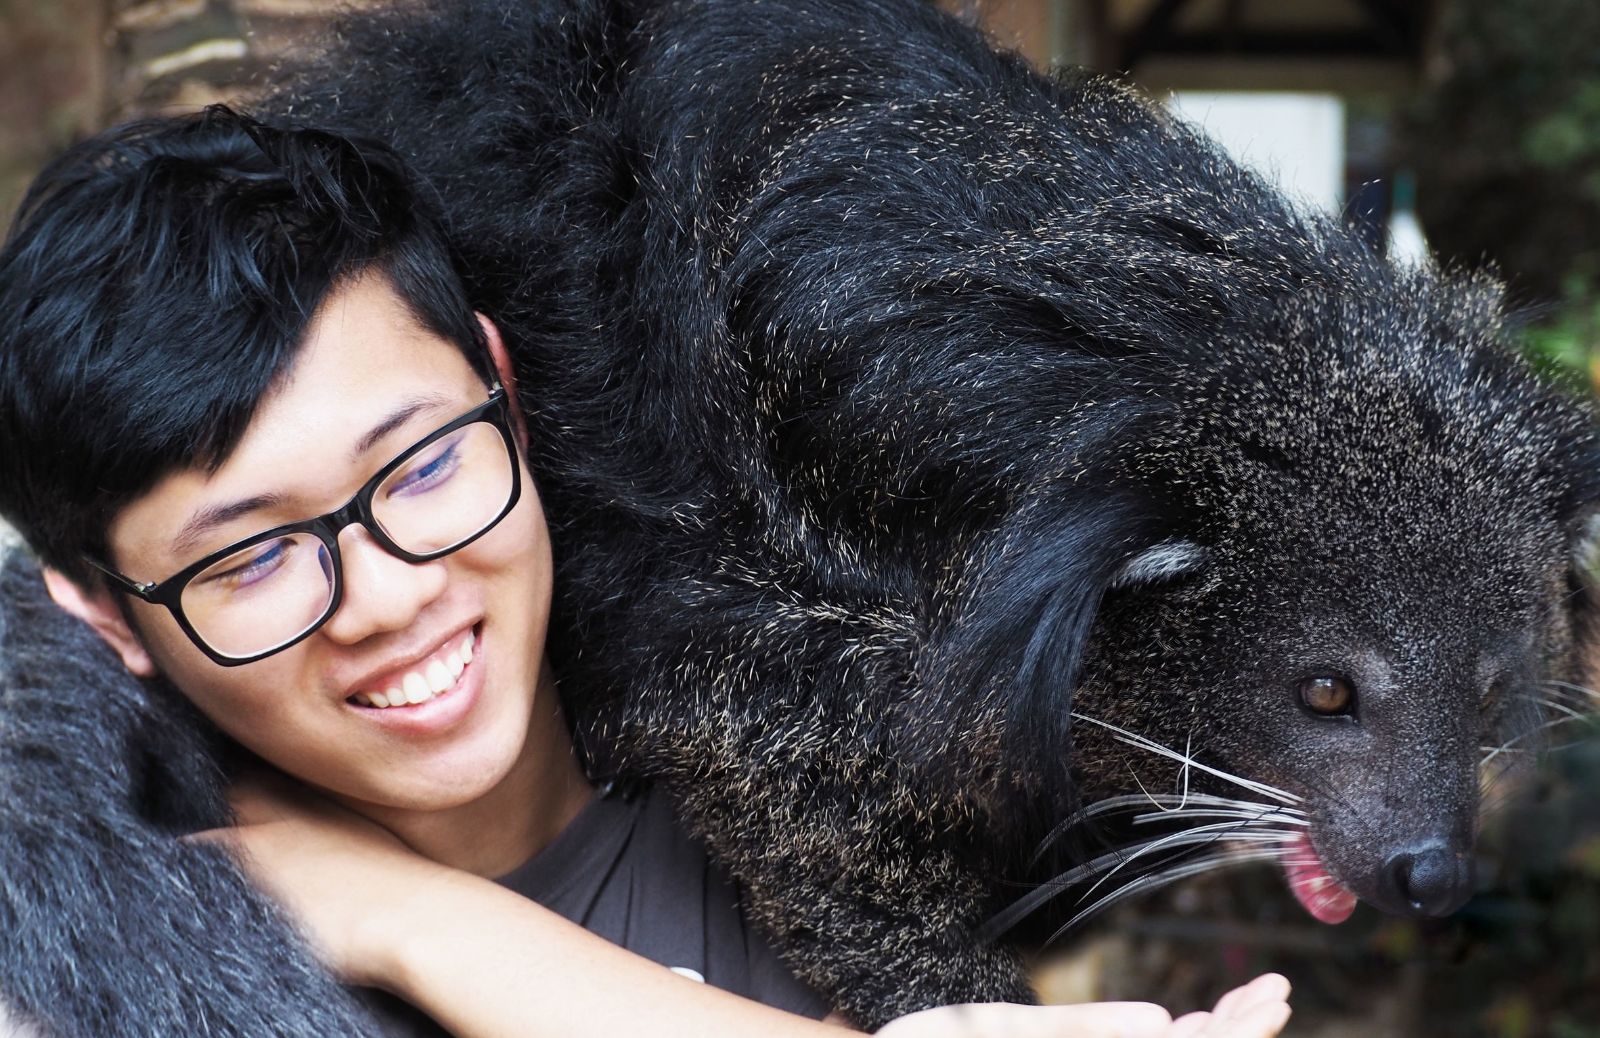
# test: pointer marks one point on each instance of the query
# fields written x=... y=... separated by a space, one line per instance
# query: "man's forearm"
x=488 y=963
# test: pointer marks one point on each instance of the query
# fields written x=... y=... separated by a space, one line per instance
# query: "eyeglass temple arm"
x=132 y=587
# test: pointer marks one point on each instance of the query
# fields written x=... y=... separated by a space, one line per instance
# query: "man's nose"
x=381 y=592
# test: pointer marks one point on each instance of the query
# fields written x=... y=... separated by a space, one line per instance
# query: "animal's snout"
x=1429 y=880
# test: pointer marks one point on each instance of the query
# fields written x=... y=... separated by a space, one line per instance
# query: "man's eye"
x=426 y=474
x=252 y=566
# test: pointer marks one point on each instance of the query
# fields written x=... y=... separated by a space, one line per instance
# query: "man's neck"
x=494 y=834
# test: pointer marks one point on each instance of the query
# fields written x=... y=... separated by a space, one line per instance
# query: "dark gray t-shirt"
x=624 y=869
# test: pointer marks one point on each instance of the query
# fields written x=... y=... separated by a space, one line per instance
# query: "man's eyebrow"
x=210 y=518
x=398 y=417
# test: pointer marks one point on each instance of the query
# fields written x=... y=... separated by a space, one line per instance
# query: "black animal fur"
x=110 y=926
x=889 y=402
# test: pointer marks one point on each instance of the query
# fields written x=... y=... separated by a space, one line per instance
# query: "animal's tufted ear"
x=1014 y=647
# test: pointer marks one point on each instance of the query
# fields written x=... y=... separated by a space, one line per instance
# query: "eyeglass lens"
x=441 y=495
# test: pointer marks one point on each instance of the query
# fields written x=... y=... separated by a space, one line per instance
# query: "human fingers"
x=1190 y=1025
x=1267 y=988
x=1002 y=1020
x=1265 y=1020
x=1107 y=1019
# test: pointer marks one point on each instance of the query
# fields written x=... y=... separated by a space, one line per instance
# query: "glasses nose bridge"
x=357 y=512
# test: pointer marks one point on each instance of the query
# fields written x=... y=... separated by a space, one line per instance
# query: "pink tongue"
x=1323 y=896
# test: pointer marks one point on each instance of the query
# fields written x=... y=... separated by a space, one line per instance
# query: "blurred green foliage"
x=1564 y=341
x=1505 y=139
x=1568 y=138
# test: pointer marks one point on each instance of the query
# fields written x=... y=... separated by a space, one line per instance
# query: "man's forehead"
x=211 y=516
x=367 y=376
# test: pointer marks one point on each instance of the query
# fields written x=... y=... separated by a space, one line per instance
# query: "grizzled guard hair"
x=110 y=925
x=891 y=403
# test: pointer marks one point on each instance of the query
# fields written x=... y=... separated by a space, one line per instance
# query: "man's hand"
x=1257 y=1010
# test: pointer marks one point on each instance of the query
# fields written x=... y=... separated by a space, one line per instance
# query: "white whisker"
x=1139 y=741
x=1567 y=686
x=1171 y=805
x=1561 y=707
x=1509 y=744
x=1160 y=879
x=1260 y=814
x=1107 y=864
x=1252 y=830
x=1202 y=834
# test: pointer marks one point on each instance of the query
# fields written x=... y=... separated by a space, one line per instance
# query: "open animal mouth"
x=1314 y=887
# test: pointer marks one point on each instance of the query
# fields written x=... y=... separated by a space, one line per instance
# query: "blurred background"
x=1466 y=129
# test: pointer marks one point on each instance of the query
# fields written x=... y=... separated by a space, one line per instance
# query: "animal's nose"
x=1430 y=880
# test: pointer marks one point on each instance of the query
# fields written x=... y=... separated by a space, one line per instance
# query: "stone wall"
x=71 y=67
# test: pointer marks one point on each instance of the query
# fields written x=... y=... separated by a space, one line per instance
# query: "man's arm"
x=486 y=962
x=531 y=972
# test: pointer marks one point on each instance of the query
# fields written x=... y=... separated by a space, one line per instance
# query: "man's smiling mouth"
x=426 y=681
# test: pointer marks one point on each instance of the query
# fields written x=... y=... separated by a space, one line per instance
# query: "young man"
x=267 y=452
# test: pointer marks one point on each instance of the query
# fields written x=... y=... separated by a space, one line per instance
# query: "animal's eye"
x=1328 y=695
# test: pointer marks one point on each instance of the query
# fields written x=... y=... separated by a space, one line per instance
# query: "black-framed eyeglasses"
x=267 y=592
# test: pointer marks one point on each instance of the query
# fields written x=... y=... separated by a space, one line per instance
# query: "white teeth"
x=419 y=686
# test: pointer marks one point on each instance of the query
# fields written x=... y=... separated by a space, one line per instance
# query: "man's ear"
x=98 y=609
x=508 y=375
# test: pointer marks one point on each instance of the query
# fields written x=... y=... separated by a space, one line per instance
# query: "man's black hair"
x=156 y=282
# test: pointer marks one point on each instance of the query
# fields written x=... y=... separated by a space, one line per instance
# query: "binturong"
x=943 y=456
